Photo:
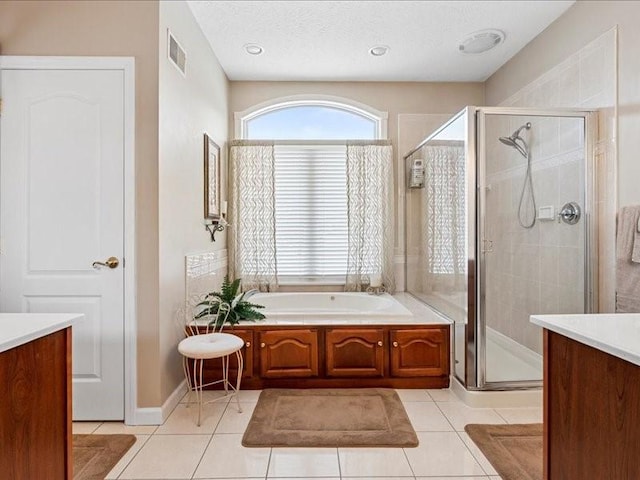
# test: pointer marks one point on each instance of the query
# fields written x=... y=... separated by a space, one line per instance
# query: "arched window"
x=311 y=118
x=310 y=178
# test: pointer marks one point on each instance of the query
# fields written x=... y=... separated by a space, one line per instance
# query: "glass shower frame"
x=473 y=355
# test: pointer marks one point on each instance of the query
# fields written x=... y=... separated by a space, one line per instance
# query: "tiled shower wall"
x=587 y=80
x=538 y=269
x=543 y=271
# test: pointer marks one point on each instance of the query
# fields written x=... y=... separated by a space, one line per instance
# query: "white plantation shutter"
x=311 y=211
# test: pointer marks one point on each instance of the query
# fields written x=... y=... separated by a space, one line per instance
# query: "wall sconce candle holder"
x=216 y=226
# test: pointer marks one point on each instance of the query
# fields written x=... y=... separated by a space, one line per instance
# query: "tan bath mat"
x=515 y=451
x=358 y=417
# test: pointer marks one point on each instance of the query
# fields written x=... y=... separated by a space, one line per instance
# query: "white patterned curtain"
x=369 y=215
x=252 y=215
x=443 y=252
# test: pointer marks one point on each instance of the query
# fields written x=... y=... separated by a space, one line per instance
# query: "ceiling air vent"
x=176 y=54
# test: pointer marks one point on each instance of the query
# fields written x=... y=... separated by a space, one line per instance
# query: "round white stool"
x=201 y=347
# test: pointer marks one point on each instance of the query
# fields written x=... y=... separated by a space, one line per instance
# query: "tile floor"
x=181 y=450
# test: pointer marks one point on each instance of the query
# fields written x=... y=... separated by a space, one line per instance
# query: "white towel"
x=628 y=268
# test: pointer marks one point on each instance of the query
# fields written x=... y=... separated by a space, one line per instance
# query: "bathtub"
x=331 y=305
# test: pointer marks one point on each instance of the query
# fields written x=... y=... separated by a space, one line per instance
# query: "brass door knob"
x=262 y=345
x=112 y=262
x=380 y=343
x=248 y=344
x=395 y=344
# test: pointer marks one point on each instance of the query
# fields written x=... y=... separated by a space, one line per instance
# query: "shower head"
x=512 y=141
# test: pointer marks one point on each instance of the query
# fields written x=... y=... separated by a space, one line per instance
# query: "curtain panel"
x=370 y=215
x=252 y=246
x=443 y=254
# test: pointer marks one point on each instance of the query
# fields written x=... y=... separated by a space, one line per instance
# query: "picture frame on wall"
x=211 y=179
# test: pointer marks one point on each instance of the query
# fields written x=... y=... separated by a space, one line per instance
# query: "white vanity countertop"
x=19 y=328
x=616 y=334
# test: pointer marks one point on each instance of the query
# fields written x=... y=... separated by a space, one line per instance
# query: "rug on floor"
x=350 y=417
x=95 y=455
x=515 y=451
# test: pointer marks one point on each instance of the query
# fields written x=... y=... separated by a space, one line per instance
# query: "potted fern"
x=231 y=305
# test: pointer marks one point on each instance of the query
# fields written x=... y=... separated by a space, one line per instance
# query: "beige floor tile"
x=207 y=395
x=227 y=458
x=304 y=462
x=167 y=456
x=183 y=419
x=234 y=422
x=127 y=457
x=453 y=478
x=521 y=415
x=80 y=428
x=249 y=395
x=460 y=415
x=442 y=454
x=110 y=428
x=477 y=453
x=413 y=395
x=443 y=395
x=427 y=417
x=373 y=462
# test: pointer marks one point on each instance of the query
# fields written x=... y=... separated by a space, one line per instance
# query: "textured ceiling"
x=328 y=40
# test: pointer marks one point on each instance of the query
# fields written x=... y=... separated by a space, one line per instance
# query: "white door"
x=61 y=210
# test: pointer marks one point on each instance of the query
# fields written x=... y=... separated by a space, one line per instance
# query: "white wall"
x=189 y=106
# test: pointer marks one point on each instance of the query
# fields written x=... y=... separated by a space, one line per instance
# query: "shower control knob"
x=570 y=213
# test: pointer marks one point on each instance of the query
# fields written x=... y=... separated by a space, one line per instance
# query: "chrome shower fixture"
x=512 y=140
x=517 y=142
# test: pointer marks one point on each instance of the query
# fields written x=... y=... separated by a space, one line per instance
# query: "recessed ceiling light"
x=482 y=41
x=379 y=50
x=253 y=49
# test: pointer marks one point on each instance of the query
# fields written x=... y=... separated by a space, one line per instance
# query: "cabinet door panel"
x=289 y=353
x=420 y=352
x=212 y=369
x=355 y=352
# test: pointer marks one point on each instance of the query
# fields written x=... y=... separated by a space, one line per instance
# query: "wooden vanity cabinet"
x=354 y=352
x=419 y=352
x=289 y=353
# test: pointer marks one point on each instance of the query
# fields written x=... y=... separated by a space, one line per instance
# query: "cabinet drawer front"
x=420 y=352
x=289 y=353
x=353 y=352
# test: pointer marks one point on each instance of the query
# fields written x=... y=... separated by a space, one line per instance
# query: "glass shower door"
x=532 y=239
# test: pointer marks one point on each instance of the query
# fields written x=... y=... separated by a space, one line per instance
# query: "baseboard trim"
x=157 y=415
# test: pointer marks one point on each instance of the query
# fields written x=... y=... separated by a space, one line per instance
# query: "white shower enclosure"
x=500 y=225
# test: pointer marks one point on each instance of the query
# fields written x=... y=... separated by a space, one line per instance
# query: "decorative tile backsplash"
x=204 y=273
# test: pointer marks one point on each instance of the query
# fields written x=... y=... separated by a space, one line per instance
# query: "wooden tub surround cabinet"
x=591 y=396
x=330 y=356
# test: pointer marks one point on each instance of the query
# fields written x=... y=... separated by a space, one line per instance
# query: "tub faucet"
x=376 y=290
